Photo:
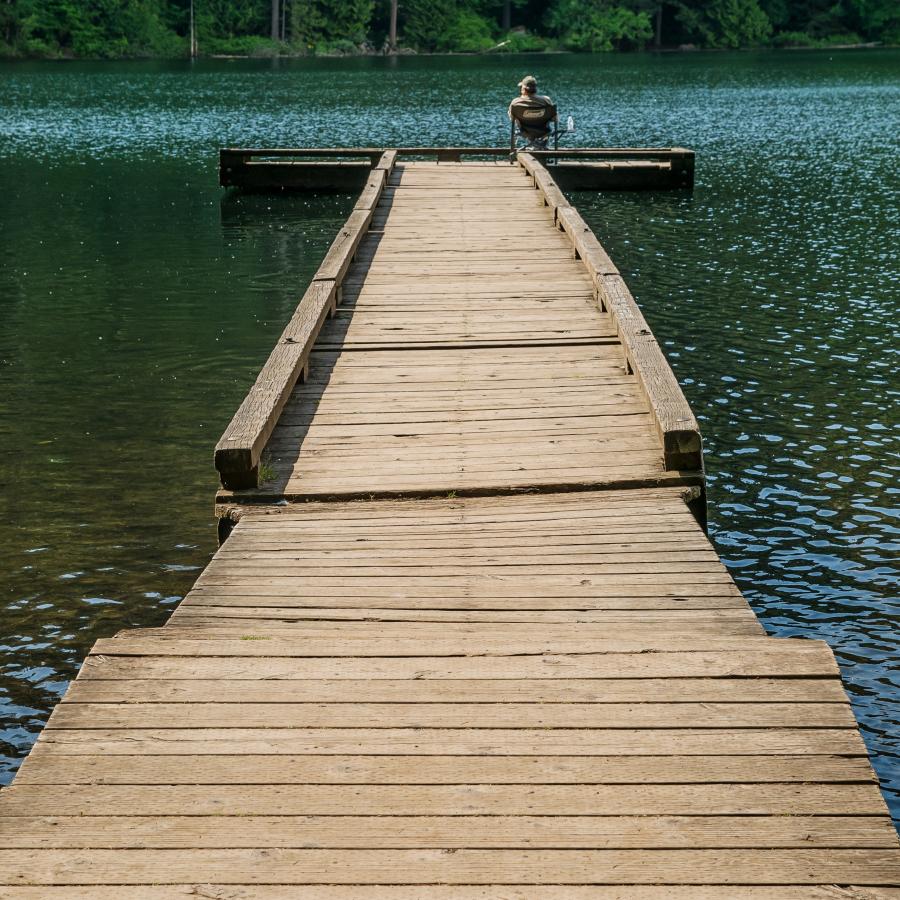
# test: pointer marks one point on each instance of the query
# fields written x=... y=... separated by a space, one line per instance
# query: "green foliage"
x=468 y=32
x=875 y=19
x=243 y=45
x=448 y=25
x=266 y=470
x=159 y=28
x=99 y=29
x=725 y=23
x=424 y=22
x=597 y=25
x=230 y=18
x=323 y=21
x=522 y=42
x=794 y=39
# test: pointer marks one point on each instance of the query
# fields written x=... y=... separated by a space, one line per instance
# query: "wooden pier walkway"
x=466 y=637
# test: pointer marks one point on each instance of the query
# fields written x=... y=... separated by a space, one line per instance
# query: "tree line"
x=171 y=28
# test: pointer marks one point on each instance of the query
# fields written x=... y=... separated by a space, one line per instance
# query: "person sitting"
x=530 y=110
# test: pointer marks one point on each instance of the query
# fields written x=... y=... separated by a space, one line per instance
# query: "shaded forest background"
x=171 y=28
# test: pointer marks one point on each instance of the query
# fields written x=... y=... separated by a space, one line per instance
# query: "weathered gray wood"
x=221 y=891
x=376 y=182
x=475 y=742
x=239 y=449
x=765 y=661
x=387 y=161
x=558 y=690
x=255 y=642
x=340 y=254
x=444 y=832
x=210 y=613
x=375 y=153
x=371 y=193
x=677 y=427
x=470 y=690
x=451 y=714
x=417 y=867
x=446 y=800
x=226 y=767
x=553 y=196
x=585 y=242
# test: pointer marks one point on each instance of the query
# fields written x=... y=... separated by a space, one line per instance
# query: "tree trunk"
x=657 y=38
x=276 y=19
x=506 y=20
x=192 y=34
x=392 y=34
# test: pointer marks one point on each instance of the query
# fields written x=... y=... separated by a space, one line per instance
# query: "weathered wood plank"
x=209 y=613
x=207 y=607
x=469 y=690
x=340 y=254
x=636 y=537
x=455 y=892
x=226 y=767
x=459 y=742
x=446 y=800
x=586 y=245
x=240 y=447
x=766 y=661
x=450 y=714
x=444 y=832
x=288 y=866
x=676 y=424
x=678 y=430
x=594 y=638
x=553 y=196
x=371 y=193
x=254 y=642
x=460 y=514
x=387 y=161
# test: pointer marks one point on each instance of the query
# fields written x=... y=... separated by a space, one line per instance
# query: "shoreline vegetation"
x=169 y=29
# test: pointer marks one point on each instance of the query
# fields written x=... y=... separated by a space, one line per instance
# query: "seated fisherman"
x=529 y=99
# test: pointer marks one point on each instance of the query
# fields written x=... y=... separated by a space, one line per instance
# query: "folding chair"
x=532 y=127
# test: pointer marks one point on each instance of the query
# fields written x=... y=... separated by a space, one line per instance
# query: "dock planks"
x=471 y=640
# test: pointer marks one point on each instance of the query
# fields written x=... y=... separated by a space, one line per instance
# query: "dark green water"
x=138 y=303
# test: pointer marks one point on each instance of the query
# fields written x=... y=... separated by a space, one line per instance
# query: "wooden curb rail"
x=346 y=169
x=244 y=155
x=674 y=421
x=239 y=450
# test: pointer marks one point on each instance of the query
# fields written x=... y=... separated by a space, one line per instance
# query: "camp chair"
x=533 y=126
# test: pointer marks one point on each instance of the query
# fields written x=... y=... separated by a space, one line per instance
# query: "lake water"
x=138 y=302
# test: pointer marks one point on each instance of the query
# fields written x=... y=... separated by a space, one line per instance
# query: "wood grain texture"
x=443 y=832
x=240 y=447
x=446 y=800
x=50 y=768
x=677 y=427
x=218 y=891
x=413 y=867
x=512 y=667
x=543 y=181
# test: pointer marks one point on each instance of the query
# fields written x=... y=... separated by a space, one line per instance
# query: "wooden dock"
x=348 y=168
x=465 y=636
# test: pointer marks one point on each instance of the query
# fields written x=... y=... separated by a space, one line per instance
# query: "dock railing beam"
x=345 y=168
x=240 y=448
x=678 y=431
